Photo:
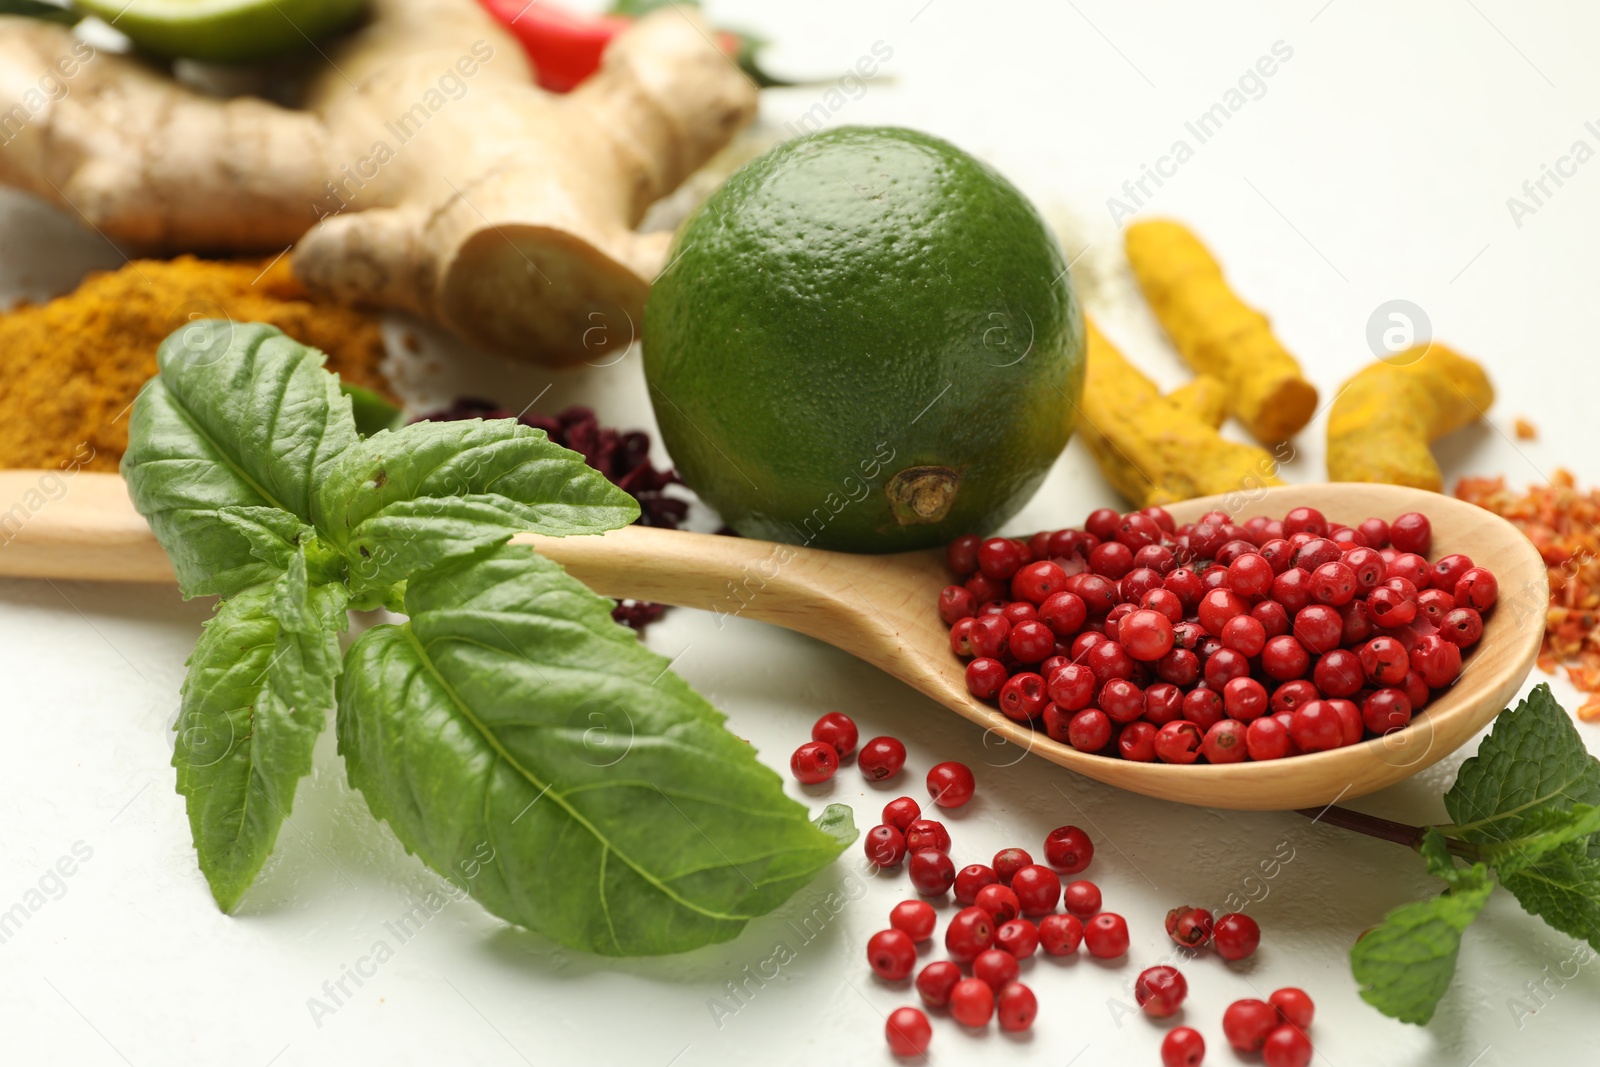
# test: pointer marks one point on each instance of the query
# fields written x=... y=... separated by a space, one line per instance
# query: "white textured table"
x=1374 y=164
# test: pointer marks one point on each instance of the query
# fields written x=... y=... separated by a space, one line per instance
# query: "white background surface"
x=1375 y=166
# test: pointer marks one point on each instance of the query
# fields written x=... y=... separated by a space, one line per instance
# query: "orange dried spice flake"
x=1563 y=522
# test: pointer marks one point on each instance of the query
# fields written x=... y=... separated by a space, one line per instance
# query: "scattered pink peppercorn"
x=1018 y=1007
x=901 y=812
x=916 y=917
x=1106 y=936
x=935 y=981
x=1018 y=937
x=951 y=784
x=1294 y=1006
x=882 y=757
x=1236 y=936
x=1246 y=1024
x=999 y=901
x=1068 y=849
x=814 y=762
x=995 y=966
x=892 y=954
x=972 y=1002
x=884 y=845
x=1190 y=927
x=839 y=730
x=1060 y=935
x=1287 y=1046
x=1160 y=991
x=969 y=932
x=1183 y=1047
x=908 y=1032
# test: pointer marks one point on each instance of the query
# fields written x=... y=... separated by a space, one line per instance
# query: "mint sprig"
x=513 y=736
x=1527 y=815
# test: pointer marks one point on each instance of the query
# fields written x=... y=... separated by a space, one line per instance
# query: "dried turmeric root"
x=1157 y=449
x=1384 y=418
x=1216 y=333
x=1205 y=397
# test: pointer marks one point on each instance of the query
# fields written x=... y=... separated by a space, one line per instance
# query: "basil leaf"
x=433 y=492
x=259 y=689
x=181 y=484
x=1532 y=761
x=511 y=717
x=239 y=416
x=1405 y=963
x=371 y=411
x=273 y=534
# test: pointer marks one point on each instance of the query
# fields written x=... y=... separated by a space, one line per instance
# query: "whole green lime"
x=225 y=31
x=866 y=340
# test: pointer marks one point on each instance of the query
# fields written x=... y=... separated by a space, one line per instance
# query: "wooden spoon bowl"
x=884 y=609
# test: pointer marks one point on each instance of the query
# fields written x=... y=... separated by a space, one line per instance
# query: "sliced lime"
x=225 y=31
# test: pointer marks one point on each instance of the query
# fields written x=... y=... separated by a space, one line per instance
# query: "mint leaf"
x=1547 y=830
x=1405 y=963
x=432 y=492
x=1435 y=850
x=1531 y=761
x=259 y=689
x=1563 y=888
x=1531 y=799
x=511 y=717
x=1528 y=806
x=240 y=416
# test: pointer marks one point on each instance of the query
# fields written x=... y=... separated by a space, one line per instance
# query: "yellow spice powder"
x=70 y=368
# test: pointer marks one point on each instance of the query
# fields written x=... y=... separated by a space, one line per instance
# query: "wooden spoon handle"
x=83 y=526
x=75 y=526
x=724 y=575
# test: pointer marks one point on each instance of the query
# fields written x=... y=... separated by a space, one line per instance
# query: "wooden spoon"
x=884 y=610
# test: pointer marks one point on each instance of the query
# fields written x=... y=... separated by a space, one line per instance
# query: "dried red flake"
x=1563 y=522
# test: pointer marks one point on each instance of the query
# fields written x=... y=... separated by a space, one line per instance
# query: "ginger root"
x=1156 y=449
x=1385 y=417
x=426 y=171
x=1216 y=333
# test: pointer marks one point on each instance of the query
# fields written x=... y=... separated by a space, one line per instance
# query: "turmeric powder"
x=70 y=368
x=1156 y=449
x=1216 y=332
x=1384 y=417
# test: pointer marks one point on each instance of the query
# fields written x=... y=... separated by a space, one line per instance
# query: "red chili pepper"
x=564 y=47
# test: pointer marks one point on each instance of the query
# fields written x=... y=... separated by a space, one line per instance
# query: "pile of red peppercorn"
x=1139 y=638
x=1008 y=914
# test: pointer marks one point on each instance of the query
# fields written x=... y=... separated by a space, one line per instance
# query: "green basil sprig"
x=470 y=728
